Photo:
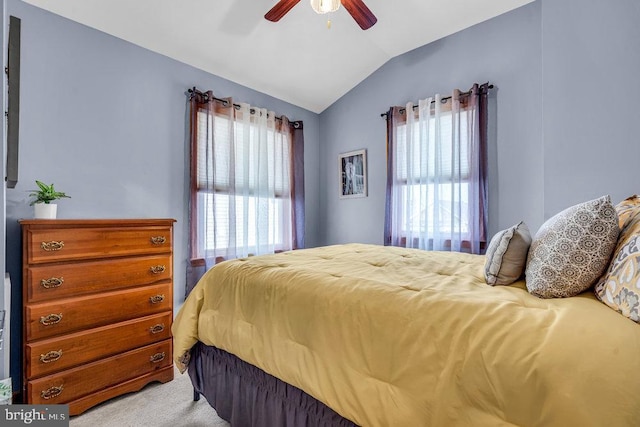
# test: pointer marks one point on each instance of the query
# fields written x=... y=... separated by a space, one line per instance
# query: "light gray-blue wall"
x=591 y=71
x=505 y=51
x=565 y=103
x=104 y=120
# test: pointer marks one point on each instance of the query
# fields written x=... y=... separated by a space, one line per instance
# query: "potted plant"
x=42 y=198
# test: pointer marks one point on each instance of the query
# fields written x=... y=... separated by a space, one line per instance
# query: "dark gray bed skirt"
x=247 y=396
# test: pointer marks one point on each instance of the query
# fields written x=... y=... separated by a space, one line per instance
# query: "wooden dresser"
x=97 y=308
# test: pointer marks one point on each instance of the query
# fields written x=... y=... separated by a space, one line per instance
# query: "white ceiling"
x=296 y=59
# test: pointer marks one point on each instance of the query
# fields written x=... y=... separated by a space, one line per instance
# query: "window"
x=427 y=170
x=242 y=182
x=436 y=185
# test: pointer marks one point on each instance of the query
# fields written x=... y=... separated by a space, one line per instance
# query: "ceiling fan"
x=356 y=8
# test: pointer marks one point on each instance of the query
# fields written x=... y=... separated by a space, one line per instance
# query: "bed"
x=385 y=336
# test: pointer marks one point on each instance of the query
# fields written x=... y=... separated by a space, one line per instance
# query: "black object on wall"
x=13 y=103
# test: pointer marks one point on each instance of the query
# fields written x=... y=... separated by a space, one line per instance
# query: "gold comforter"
x=398 y=337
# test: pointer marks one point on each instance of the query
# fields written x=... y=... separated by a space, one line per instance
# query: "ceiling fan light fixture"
x=325 y=6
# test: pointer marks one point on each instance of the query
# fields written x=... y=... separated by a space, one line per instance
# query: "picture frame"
x=352 y=170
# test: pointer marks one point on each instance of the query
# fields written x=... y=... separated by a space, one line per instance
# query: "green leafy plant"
x=45 y=194
x=5 y=391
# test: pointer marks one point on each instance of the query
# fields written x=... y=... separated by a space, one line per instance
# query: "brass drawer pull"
x=51 y=392
x=51 y=356
x=156 y=329
x=158 y=357
x=156 y=299
x=51 y=319
x=157 y=269
x=158 y=240
x=52 y=246
x=54 y=282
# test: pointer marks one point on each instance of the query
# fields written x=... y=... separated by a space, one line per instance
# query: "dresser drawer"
x=47 y=282
x=54 y=318
x=77 y=382
x=59 y=244
x=55 y=354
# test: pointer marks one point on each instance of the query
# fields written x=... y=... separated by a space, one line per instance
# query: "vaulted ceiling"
x=297 y=59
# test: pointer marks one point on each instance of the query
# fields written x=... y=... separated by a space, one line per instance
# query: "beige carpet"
x=156 y=405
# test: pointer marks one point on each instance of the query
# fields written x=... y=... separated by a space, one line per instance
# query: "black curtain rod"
x=443 y=99
x=195 y=92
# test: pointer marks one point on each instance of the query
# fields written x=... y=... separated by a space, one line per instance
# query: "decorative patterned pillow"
x=572 y=249
x=619 y=287
x=627 y=209
x=507 y=255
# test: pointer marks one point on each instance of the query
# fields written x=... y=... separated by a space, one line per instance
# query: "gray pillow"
x=507 y=255
x=572 y=249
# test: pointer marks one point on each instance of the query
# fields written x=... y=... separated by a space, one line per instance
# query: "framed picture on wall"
x=352 y=167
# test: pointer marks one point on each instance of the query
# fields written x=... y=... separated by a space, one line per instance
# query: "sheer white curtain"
x=435 y=187
x=245 y=178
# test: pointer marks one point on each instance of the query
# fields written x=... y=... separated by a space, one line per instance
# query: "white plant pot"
x=45 y=211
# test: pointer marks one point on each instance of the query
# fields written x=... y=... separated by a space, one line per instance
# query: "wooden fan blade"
x=280 y=9
x=360 y=12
